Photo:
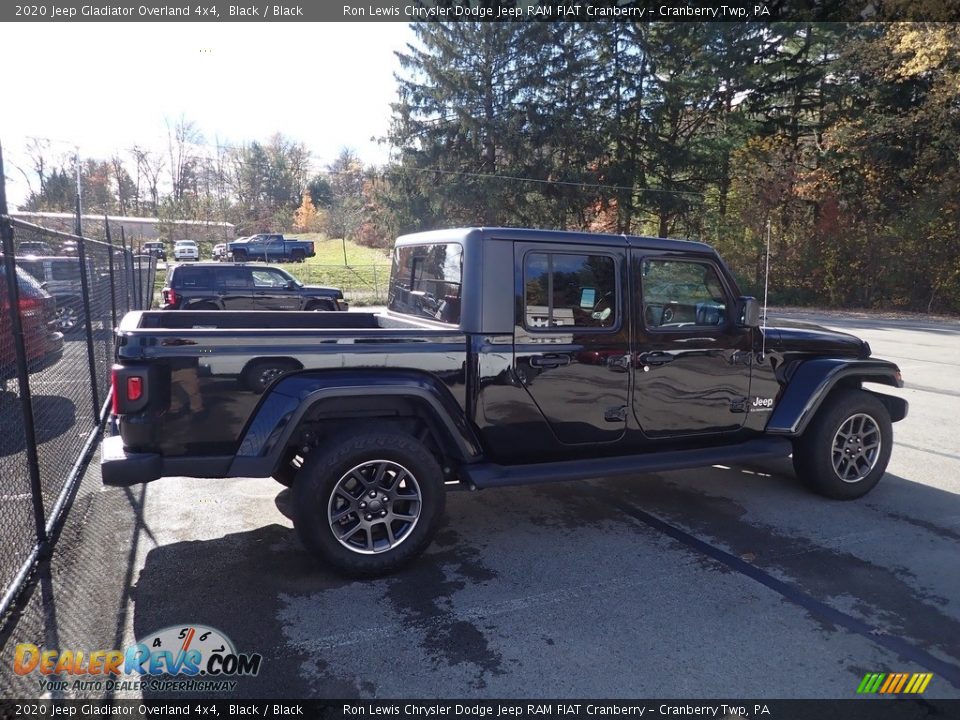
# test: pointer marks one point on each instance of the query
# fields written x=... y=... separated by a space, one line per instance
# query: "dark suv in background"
x=155 y=248
x=214 y=286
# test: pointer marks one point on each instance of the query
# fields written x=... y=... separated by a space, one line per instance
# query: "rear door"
x=692 y=361
x=572 y=337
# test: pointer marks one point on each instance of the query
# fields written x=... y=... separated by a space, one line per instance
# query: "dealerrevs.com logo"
x=177 y=658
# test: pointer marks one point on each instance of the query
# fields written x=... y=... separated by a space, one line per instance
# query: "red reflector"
x=134 y=388
x=114 y=388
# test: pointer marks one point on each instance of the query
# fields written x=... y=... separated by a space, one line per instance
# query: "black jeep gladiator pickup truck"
x=505 y=357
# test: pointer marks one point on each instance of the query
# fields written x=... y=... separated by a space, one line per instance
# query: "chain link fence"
x=61 y=297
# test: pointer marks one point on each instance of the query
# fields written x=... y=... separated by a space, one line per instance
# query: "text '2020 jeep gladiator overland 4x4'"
x=506 y=357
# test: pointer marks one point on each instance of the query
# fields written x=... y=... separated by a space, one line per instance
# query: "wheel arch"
x=812 y=381
x=301 y=399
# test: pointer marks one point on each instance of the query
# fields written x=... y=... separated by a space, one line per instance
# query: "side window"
x=268 y=278
x=568 y=290
x=680 y=293
x=233 y=277
x=65 y=270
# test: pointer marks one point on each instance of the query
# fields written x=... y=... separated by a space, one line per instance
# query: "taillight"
x=169 y=296
x=134 y=388
x=130 y=387
x=30 y=304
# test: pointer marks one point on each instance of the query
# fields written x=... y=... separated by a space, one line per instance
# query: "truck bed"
x=212 y=367
x=259 y=320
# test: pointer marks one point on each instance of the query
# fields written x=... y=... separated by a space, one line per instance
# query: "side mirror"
x=291 y=285
x=748 y=312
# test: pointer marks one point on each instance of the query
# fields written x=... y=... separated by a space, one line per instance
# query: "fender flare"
x=282 y=408
x=812 y=381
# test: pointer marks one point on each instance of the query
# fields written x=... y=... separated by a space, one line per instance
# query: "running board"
x=489 y=475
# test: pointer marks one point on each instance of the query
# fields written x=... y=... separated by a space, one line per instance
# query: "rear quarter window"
x=186 y=278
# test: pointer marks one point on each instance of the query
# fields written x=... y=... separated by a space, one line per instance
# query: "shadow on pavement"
x=55 y=416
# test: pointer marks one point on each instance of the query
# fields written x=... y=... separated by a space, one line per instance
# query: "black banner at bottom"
x=862 y=708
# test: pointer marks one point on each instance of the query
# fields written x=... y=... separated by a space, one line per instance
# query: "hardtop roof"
x=475 y=234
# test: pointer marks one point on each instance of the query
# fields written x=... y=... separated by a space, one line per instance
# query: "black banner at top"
x=641 y=11
x=487 y=709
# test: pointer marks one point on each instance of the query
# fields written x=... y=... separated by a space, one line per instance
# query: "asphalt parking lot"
x=720 y=582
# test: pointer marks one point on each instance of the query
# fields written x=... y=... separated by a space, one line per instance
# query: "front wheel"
x=369 y=502
x=67 y=318
x=844 y=451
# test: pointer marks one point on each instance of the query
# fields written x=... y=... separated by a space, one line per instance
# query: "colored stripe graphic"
x=894 y=683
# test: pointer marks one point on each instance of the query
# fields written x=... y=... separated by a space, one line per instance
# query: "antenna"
x=766 y=286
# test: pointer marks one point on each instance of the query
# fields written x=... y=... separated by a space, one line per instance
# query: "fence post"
x=85 y=289
x=128 y=266
x=113 y=290
x=23 y=375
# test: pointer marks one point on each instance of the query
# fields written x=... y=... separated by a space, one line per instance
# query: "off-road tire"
x=323 y=471
x=814 y=451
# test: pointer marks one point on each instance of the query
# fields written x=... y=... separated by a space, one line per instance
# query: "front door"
x=234 y=287
x=692 y=360
x=571 y=338
x=270 y=291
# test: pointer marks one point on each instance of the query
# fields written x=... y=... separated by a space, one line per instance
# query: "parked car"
x=215 y=286
x=155 y=248
x=220 y=252
x=186 y=250
x=270 y=247
x=34 y=247
x=42 y=340
x=60 y=276
x=492 y=367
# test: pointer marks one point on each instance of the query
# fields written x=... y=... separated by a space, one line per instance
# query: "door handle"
x=656 y=358
x=549 y=361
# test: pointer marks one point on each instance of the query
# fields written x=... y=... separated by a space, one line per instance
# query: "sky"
x=107 y=86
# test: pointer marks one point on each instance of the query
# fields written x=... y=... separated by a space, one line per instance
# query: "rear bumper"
x=122 y=468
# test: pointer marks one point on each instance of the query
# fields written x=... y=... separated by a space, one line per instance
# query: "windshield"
x=426 y=281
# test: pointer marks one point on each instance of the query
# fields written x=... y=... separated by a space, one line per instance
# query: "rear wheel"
x=298 y=256
x=368 y=503
x=844 y=451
